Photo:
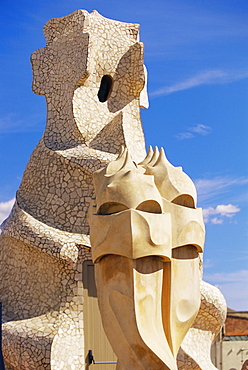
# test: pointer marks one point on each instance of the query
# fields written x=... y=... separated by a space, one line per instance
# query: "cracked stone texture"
x=45 y=240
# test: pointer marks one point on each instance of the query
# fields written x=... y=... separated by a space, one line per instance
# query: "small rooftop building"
x=230 y=350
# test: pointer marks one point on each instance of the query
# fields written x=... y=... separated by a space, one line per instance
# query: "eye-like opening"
x=148 y=264
x=184 y=200
x=110 y=208
x=185 y=252
x=105 y=88
x=150 y=206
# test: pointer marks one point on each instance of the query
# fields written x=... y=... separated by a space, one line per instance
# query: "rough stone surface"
x=196 y=347
x=45 y=240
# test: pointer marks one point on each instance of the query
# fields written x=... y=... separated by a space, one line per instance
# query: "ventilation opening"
x=105 y=88
x=184 y=200
x=150 y=206
x=111 y=207
x=185 y=252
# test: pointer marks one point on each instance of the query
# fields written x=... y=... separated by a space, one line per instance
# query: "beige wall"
x=95 y=337
x=228 y=355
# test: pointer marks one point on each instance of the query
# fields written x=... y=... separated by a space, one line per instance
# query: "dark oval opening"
x=184 y=200
x=110 y=208
x=185 y=252
x=105 y=88
x=150 y=206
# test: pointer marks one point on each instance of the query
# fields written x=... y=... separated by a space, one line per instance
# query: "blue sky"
x=196 y=53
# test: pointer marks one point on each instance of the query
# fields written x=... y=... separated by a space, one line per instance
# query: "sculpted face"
x=146 y=235
x=94 y=80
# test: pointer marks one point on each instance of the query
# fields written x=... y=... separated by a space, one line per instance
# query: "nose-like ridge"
x=192 y=234
x=131 y=233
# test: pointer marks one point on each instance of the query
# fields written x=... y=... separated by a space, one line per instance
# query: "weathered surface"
x=46 y=238
x=92 y=75
x=146 y=236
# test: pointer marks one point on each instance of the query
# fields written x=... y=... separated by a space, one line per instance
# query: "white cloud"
x=184 y=135
x=233 y=285
x=227 y=277
x=202 y=78
x=210 y=188
x=216 y=221
x=227 y=210
x=222 y=210
x=5 y=208
x=199 y=129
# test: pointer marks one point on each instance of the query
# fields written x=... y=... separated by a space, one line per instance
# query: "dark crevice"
x=105 y=88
